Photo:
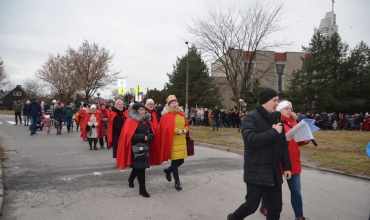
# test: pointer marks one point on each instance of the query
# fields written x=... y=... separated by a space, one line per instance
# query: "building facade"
x=273 y=69
x=8 y=98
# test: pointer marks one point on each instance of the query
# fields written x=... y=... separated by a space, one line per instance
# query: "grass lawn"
x=340 y=150
x=7 y=112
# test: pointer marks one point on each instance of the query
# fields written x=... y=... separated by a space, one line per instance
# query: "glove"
x=93 y=126
x=150 y=137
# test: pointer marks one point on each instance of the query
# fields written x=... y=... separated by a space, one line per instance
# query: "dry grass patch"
x=340 y=150
x=7 y=112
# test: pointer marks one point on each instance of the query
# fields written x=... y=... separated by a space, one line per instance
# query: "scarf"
x=269 y=116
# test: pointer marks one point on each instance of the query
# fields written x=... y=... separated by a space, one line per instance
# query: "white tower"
x=328 y=25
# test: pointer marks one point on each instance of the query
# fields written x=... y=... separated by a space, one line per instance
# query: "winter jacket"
x=34 y=109
x=17 y=107
x=294 y=153
x=68 y=112
x=264 y=148
x=25 y=108
x=58 y=114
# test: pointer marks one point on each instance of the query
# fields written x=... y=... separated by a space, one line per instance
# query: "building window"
x=17 y=93
x=249 y=80
x=280 y=72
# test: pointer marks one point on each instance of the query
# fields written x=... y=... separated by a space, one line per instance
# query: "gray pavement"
x=57 y=177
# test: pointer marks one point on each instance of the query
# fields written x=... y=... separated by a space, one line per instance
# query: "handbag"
x=140 y=151
x=190 y=146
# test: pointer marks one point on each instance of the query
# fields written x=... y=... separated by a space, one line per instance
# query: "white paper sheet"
x=301 y=131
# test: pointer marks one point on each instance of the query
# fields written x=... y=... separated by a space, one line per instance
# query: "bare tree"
x=34 y=87
x=60 y=75
x=233 y=38
x=93 y=68
x=3 y=75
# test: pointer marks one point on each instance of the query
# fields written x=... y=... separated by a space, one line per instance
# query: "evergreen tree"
x=202 y=91
x=330 y=79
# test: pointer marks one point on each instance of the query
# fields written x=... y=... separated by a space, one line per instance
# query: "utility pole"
x=187 y=83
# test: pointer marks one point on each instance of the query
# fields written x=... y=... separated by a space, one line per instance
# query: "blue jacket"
x=34 y=109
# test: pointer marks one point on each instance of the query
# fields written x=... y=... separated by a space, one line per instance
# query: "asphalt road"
x=57 y=177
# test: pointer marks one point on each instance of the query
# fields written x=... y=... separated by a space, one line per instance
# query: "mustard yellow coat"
x=179 y=150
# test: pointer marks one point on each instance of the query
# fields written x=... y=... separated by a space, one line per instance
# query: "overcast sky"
x=145 y=36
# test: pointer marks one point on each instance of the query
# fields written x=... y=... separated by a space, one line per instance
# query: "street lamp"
x=240 y=104
x=98 y=96
x=187 y=82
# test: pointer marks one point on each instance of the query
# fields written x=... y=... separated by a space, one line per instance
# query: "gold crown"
x=170 y=98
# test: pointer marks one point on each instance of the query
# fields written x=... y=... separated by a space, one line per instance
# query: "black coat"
x=117 y=127
x=264 y=149
x=139 y=137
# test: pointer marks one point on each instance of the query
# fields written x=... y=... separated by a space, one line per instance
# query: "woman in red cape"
x=94 y=126
x=116 y=121
x=137 y=128
x=171 y=137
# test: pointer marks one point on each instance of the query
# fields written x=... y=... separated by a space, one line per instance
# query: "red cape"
x=164 y=136
x=123 y=158
x=111 y=116
x=86 y=120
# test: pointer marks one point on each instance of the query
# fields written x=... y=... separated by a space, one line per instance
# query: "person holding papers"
x=294 y=183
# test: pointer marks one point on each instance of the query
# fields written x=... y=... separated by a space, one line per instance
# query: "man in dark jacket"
x=17 y=107
x=265 y=148
x=34 y=111
x=215 y=118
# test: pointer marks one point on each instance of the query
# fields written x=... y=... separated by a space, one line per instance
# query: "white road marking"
x=11 y=122
x=1 y=123
x=97 y=174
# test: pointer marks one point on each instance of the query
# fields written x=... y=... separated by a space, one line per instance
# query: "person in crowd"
x=52 y=108
x=200 y=116
x=104 y=117
x=342 y=121
x=17 y=107
x=205 y=117
x=209 y=117
x=47 y=121
x=324 y=121
x=58 y=117
x=68 y=114
x=265 y=149
x=149 y=105
x=367 y=122
x=335 y=124
x=361 y=121
x=115 y=124
x=193 y=114
x=25 y=116
x=33 y=112
x=223 y=118
x=237 y=119
x=159 y=110
x=215 y=118
x=136 y=134
x=82 y=114
x=288 y=119
x=92 y=128
x=241 y=115
x=46 y=107
x=171 y=136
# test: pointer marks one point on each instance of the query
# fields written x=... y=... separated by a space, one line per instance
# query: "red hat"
x=101 y=104
x=59 y=102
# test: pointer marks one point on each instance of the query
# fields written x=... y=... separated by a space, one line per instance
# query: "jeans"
x=26 y=119
x=294 y=184
x=69 y=121
x=33 y=120
x=16 y=118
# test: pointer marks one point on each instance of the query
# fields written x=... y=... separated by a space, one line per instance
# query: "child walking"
x=47 y=121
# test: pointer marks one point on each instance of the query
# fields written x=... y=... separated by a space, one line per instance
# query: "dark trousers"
x=16 y=118
x=174 y=168
x=253 y=198
x=101 y=141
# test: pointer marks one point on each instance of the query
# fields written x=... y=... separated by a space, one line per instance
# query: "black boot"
x=141 y=179
x=95 y=148
x=178 y=185
x=131 y=178
x=168 y=174
x=90 y=145
x=68 y=129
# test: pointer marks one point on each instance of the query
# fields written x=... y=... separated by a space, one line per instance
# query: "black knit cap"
x=266 y=94
x=136 y=106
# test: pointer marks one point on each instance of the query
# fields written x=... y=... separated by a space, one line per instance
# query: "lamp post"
x=187 y=82
x=98 y=97
x=240 y=104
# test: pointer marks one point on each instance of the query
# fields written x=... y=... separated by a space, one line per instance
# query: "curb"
x=241 y=152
